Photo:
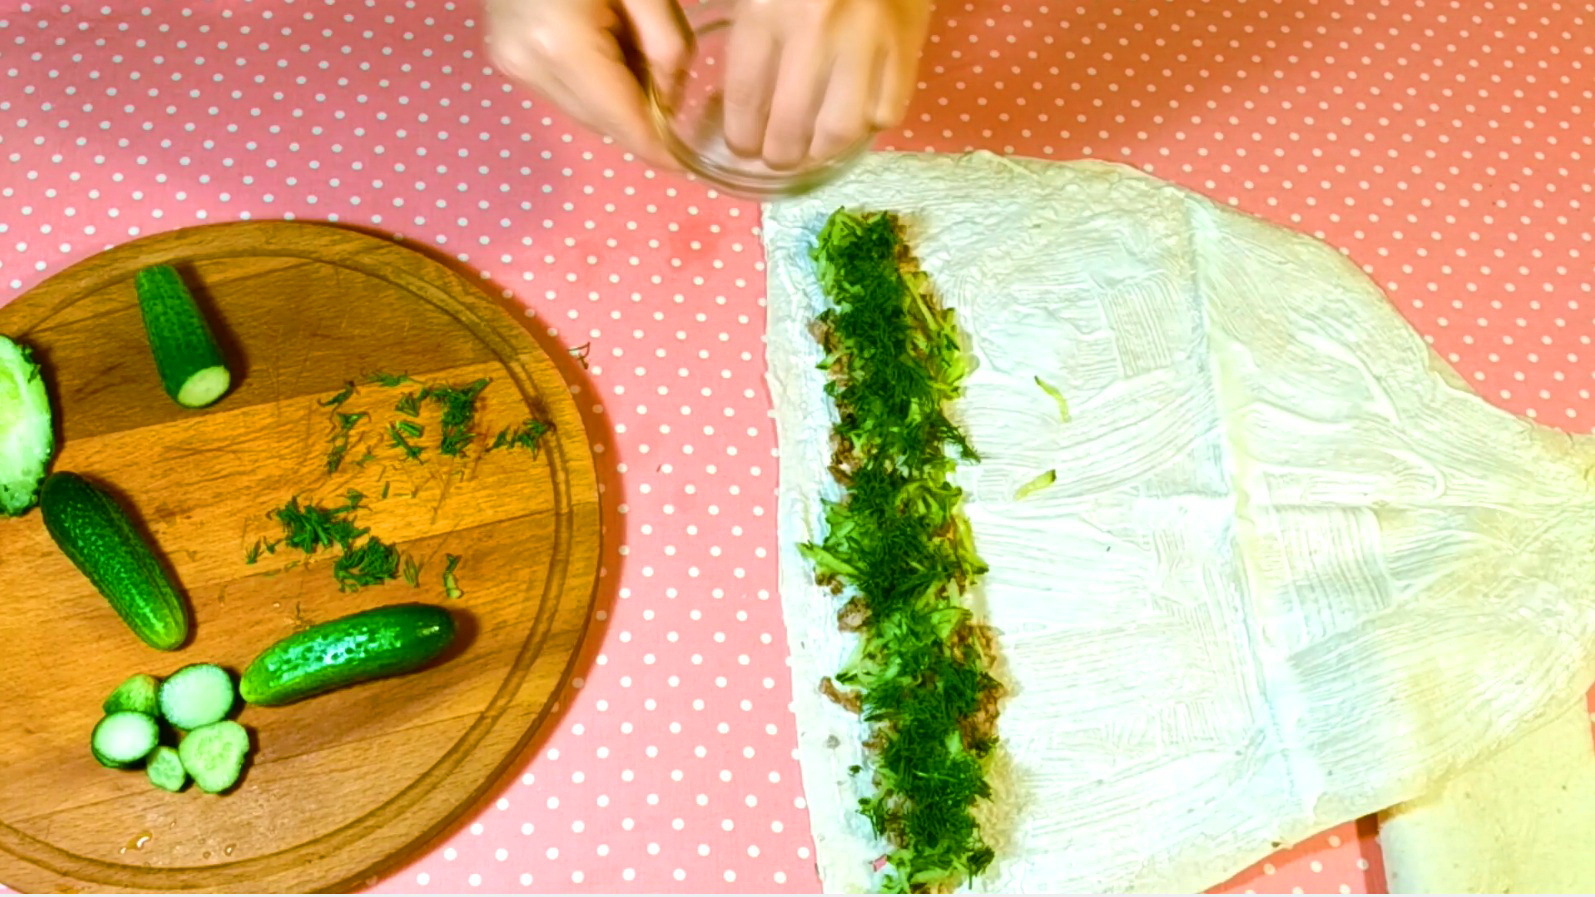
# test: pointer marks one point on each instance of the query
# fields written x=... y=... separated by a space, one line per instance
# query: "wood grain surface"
x=342 y=786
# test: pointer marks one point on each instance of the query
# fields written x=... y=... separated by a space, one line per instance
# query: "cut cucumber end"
x=124 y=738
x=165 y=769
x=137 y=694
x=192 y=368
x=27 y=429
x=214 y=755
x=197 y=695
x=204 y=387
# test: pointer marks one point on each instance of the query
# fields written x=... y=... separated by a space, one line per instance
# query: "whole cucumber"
x=384 y=641
x=94 y=532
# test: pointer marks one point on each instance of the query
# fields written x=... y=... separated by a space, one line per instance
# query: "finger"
x=848 y=108
x=597 y=88
x=800 y=81
x=751 y=55
x=664 y=40
x=899 y=74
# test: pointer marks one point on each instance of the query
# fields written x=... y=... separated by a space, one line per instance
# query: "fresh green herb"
x=525 y=436
x=1063 y=403
x=253 y=554
x=580 y=354
x=459 y=412
x=410 y=428
x=342 y=396
x=389 y=380
x=311 y=528
x=1036 y=485
x=399 y=441
x=451 y=586
x=340 y=439
x=412 y=572
x=898 y=547
x=372 y=563
x=385 y=488
x=409 y=405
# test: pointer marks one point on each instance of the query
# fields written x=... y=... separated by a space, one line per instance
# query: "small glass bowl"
x=693 y=126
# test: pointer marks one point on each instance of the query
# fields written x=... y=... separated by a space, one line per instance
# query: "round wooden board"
x=346 y=785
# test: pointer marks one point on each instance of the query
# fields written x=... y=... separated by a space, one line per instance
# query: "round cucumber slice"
x=123 y=739
x=197 y=695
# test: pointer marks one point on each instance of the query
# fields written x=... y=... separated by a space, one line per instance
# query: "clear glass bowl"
x=692 y=126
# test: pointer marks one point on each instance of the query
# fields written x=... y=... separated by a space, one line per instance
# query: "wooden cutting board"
x=347 y=785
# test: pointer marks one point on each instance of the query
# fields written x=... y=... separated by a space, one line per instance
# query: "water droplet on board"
x=228 y=850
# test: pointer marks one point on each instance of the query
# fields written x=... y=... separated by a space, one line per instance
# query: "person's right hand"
x=808 y=79
x=576 y=53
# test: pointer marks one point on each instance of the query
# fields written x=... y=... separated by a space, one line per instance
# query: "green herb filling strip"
x=899 y=551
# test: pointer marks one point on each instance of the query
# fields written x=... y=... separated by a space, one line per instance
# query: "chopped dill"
x=451 y=586
x=311 y=528
x=340 y=438
x=580 y=353
x=253 y=554
x=526 y=436
x=459 y=412
x=364 y=559
x=898 y=549
x=389 y=380
x=412 y=572
x=399 y=441
x=409 y=405
x=410 y=428
x=385 y=488
x=341 y=397
x=372 y=563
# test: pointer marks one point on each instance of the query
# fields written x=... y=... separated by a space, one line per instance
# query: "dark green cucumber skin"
x=368 y=645
x=180 y=338
x=94 y=532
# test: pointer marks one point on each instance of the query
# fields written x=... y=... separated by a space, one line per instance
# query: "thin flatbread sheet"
x=1292 y=572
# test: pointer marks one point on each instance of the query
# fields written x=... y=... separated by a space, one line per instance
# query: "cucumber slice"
x=165 y=769
x=197 y=695
x=214 y=755
x=136 y=694
x=384 y=641
x=190 y=363
x=122 y=739
x=95 y=533
x=27 y=431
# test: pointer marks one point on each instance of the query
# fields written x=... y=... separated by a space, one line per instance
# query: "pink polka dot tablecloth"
x=1445 y=145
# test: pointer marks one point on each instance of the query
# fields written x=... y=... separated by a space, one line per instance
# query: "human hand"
x=583 y=56
x=810 y=78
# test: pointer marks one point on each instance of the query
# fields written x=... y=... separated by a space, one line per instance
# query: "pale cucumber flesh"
x=197 y=695
x=124 y=738
x=27 y=429
x=214 y=755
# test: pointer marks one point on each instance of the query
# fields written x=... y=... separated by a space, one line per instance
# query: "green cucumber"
x=384 y=641
x=186 y=354
x=95 y=533
x=123 y=739
x=165 y=769
x=197 y=696
x=27 y=429
x=136 y=694
x=214 y=755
